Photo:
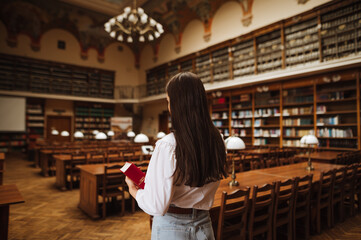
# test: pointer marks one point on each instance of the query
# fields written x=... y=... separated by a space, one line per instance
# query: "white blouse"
x=159 y=191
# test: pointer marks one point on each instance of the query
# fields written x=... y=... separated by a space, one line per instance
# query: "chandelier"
x=133 y=24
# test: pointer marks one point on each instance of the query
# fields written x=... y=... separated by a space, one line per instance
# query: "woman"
x=186 y=166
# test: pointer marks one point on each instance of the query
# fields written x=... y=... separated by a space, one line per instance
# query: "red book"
x=134 y=173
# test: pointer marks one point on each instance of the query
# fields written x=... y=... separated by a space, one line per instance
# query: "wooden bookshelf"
x=34 y=121
x=90 y=117
x=26 y=74
x=279 y=114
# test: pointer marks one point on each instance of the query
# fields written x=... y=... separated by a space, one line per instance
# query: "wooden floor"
x=52 y=214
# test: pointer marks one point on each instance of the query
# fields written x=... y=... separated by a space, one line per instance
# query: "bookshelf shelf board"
x=294 y=137
x=219 y=109
x=242 y=108
x=297 y=115
x=338 y=138
x=220 y=119
x=298 y=126
x=267 y=126
x=266 y=137
x=338 y=125
x=297 y=104
x=267 y=106
x=270 y=116
x=240 y=127
x=337 y=100
x=337 y=112
x=222 y=126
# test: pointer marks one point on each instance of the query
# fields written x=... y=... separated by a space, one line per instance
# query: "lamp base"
x=233 y=183
x=310 y=168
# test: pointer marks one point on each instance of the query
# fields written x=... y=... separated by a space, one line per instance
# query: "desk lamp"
x=309 y=140
x=141 y=138
x=160 y=135
x=232 y=144
x=64 y=134
x=100 y=136
x=78 y=134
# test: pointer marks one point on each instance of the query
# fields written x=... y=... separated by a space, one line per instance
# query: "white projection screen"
x=12 y=114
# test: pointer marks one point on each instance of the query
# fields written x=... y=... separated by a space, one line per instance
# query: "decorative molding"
x=302 y=1
x=247 y=11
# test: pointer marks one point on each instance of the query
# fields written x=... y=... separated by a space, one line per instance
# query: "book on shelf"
x=134 y=173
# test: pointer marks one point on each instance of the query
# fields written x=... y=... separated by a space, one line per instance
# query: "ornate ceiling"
x=85 y=18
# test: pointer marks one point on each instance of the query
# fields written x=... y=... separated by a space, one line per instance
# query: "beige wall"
x=150 y=121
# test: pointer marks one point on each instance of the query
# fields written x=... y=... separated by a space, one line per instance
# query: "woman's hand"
x=133 y=189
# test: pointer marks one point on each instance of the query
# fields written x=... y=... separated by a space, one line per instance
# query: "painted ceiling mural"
x=35 y=17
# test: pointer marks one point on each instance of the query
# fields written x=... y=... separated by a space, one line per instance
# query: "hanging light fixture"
x=132 y=25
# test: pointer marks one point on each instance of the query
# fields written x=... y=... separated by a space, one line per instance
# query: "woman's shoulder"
x=168 y=139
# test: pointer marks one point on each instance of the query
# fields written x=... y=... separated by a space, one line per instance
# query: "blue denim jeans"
x=171 y=226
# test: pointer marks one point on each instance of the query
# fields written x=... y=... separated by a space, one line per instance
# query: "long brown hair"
x=200 y=150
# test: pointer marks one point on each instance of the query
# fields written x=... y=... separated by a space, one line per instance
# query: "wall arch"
x=49 y=46
x=227 y=22
x=192 y=38
x=166 y=49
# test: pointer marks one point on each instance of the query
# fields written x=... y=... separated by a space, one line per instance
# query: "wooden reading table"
x=325 y=156
x=62 y=163
x=9 y=194
x=91 y=176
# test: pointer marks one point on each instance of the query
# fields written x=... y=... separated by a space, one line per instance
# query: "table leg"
x=4 y=220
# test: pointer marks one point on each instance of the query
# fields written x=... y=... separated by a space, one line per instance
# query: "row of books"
x=335 y=132
x=260 y=141
x=239 y=132
x=297 y=111
x=241 y=123
x=91 y=119
x=299 y=99
x=266 y=112
x=266 y=133
x=242 y=114
x=291 y=143
x=297 y=122
x=91 y=125
x=328 y=121
x=218 y=115
x=293 y=132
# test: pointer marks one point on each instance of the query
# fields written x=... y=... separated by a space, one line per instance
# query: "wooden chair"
x=272 y=158
x=256 y=162
x=74 y=172
x=358 y=187
x=301 y=208
x=284 y=204
x=113 y=185
x=96 y=157
x=261 y=213
x=337 y=195
x=128 y=156
x=113 y=156
x=233 y=216
x=324 y=198
x=349 y=189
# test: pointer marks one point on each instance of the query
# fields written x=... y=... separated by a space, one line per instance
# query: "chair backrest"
x=350 y=177
x=339 y=179
x=326 y=186
x=96 y=157
x=262 y=209
x=284 y=199
x=234 y=209
x=303 y=193
x=256 y=162
x=113 y=179
x=113 y=156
